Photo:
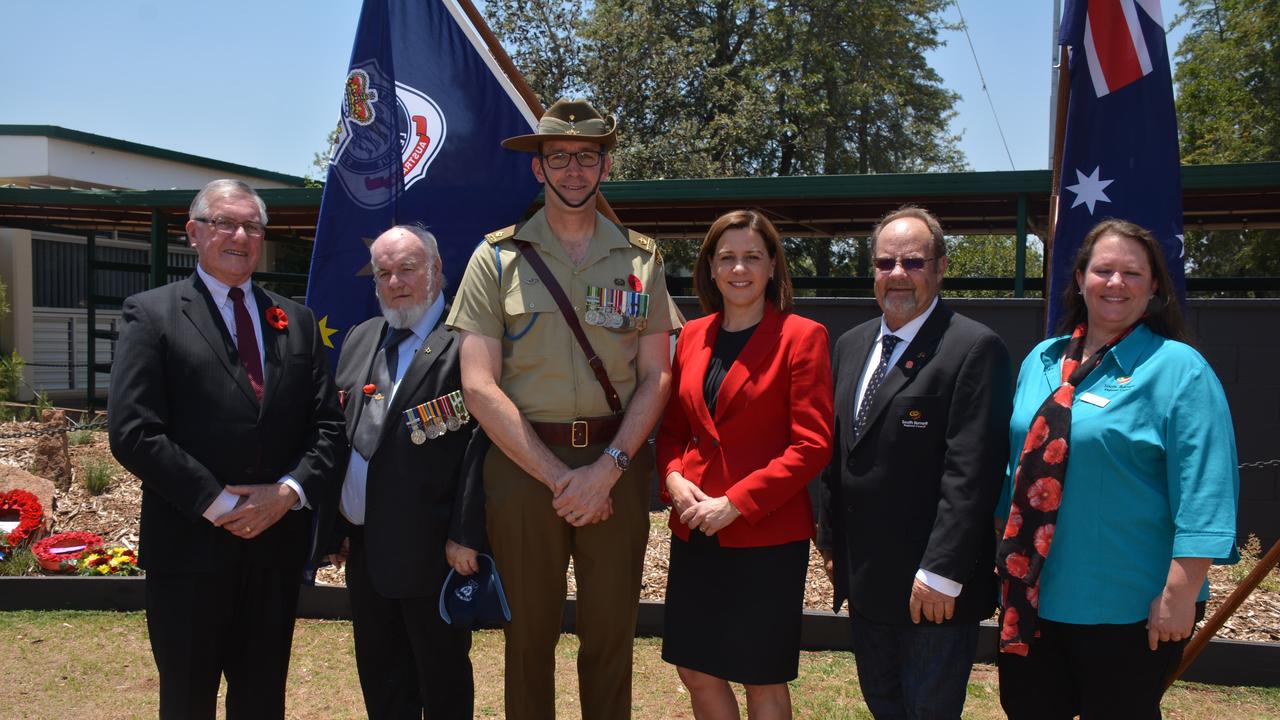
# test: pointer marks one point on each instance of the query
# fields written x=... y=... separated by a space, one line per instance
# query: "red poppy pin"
x=633 y=282
x=370 y=389
x=277 y=318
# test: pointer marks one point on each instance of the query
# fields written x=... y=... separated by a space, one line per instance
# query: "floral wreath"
x=110 y=561
x=29 y=512
x=72 y=545
x=277 y=318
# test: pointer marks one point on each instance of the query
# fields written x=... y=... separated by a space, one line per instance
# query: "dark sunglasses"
x=887 y=264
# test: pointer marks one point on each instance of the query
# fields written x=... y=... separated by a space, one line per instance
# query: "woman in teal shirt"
x=1124 y=465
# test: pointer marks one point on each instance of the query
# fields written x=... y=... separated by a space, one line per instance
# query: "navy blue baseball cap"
x=474 y=600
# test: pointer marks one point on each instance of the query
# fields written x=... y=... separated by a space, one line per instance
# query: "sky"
x=258 y=82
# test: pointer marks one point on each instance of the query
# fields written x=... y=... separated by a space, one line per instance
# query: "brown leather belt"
x=579 y=433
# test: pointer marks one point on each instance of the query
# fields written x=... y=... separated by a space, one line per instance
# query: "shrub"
x=79 y=437
x=1250 y=555
x=97 y=475
x=19 y=562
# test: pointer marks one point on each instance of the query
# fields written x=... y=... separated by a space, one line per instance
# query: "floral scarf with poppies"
x=1037 y=494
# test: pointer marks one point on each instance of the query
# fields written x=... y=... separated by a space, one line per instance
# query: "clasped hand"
x=696 y=509
x=259 y=507
x=582 y=494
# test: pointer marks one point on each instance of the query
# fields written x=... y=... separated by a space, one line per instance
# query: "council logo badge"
x=383 y=130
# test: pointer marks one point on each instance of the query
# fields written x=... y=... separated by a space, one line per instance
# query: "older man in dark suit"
x=922 y=397
x=406 y=516
x=222 y=404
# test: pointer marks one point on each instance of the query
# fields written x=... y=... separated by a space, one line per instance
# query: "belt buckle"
x=578 y=434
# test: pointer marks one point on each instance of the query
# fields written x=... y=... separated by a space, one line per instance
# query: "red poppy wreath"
x=28 y=511
x=59 y=553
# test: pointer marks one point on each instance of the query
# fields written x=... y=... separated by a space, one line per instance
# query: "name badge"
x=1094 y=399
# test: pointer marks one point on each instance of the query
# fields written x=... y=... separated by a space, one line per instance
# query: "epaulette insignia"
x=498 y=236
x=642 y=241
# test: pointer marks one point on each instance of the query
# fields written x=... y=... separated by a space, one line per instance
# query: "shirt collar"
x=1126 y=354
x=428 y=321
x=908 y=332
x=219 y=289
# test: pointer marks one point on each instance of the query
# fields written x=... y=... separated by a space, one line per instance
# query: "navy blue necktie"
x=888 y=343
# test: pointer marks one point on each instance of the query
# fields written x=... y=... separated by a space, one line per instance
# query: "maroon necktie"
x=247 y=342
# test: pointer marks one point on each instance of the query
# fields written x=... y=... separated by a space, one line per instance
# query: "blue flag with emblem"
x=1120 y=157
x=424 y=108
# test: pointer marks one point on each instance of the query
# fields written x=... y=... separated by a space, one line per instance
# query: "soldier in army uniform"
x=570 y=469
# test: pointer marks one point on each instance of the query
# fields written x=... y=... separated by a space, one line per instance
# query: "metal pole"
x=1020 y=250
x=91 y=320
x=159 y=249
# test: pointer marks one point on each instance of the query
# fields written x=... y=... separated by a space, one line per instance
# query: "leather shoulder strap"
x=570 y=317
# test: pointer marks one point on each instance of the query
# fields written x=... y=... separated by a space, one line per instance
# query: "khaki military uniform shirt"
x=544 y=370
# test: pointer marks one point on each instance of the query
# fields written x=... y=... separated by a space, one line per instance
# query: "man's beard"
x=405 y=317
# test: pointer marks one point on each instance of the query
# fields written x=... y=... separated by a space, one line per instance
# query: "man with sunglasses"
x=222 y=404
x=570 y=470
x=923 y=397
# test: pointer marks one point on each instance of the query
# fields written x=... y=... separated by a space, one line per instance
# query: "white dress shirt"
x=225 y=502
x=905 y=335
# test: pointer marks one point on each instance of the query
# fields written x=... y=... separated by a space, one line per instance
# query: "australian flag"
x=1120 y=157
x=424 y=108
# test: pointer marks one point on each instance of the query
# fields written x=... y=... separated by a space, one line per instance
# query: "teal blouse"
x=1151 y=475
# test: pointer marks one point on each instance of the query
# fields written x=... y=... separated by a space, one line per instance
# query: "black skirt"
x=735 y=612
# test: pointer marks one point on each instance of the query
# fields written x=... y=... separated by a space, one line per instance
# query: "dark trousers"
x=1095 y=671
x=915 y=672
x=532 y=547
x=410 y=661
x=238 y=622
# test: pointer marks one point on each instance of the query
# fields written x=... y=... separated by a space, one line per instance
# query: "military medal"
x=416 y=433
x=451 y=421
x=455 y=397
x=593 y=315
x=614 y=318
x=437 y=414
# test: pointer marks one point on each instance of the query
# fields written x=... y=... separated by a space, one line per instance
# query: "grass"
x=98 y=664
x=96 y=474
x=79 y=437
x=19 y=562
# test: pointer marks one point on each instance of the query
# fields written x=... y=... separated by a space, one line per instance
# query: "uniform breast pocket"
x=527 y=307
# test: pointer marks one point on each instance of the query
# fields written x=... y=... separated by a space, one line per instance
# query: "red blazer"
x=771 y=434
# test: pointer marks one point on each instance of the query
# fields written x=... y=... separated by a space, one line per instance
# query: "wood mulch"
x=113 y=515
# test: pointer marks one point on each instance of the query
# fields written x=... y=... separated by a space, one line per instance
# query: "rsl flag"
x=1120 y=156
x=424 y=108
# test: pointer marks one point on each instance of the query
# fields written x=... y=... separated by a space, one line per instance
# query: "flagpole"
x=1229 y=606
x=1059 y=139
x=522 y=86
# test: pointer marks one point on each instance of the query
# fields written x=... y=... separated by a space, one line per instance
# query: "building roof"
x=55 y=132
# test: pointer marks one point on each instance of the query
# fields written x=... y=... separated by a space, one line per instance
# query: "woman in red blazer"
x=748 y=425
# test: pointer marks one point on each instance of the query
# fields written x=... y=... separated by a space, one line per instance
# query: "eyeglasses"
x=227 y=226
x=560 y=160
x=887 y=264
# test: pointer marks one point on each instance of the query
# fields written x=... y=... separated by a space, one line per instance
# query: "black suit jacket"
x=416 y=496
x=919 y=488
x=183 y=418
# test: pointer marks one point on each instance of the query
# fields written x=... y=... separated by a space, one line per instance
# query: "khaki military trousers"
x=532 y=547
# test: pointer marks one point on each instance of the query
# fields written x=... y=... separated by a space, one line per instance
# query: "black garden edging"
x=1223 y=662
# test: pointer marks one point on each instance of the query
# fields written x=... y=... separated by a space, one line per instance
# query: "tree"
x=1228 y=107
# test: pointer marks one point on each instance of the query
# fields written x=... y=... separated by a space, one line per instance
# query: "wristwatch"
x=620 y=458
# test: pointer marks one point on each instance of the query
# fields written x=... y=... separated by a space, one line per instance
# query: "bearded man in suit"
x=922 y=398
x=405 y=513
x=222 y=404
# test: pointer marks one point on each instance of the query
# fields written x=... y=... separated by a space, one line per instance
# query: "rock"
x=12 y=478
x=52 y=459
